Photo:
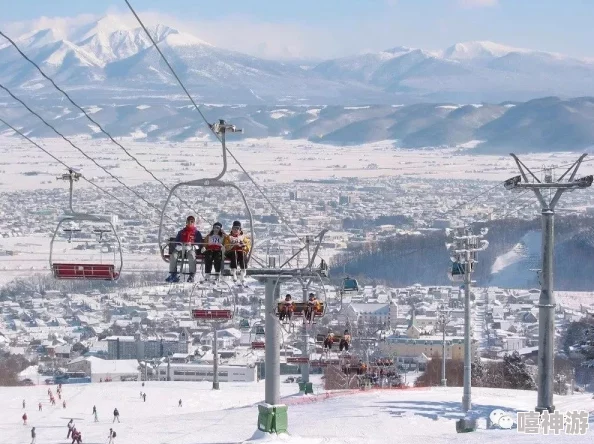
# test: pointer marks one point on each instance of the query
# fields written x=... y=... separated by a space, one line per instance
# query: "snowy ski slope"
x=230 y=415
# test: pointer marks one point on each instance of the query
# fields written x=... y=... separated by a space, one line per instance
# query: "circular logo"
x=496 y=415
x=506 y=422
x=502 y=419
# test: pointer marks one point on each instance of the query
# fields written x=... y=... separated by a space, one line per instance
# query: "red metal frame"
x=85 y=271
x=258 y=345
x=297 y=360
x=212 y=314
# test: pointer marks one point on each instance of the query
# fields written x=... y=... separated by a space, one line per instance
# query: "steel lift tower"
x=546 y=303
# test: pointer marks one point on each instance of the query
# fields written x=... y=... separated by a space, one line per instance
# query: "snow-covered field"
x=267 y=160
x=230 y=415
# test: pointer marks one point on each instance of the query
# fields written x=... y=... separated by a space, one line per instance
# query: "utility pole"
x=305 y=336
x=546 y=303
x=304 y=330
x=463 y=246
x=215 y=359
x=272 y=416
x=444 y=319
x=272 y=344
x=168 y=367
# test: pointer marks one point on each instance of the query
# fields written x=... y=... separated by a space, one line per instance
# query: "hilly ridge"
x=540 y=125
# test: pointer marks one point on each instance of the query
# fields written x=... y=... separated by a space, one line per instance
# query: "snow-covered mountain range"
x=109 y=58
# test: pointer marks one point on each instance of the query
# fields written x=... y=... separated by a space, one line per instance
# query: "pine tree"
x=559 y=386
x=477 y=372
x=516 y=374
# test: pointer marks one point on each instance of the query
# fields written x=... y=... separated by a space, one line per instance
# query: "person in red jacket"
x=186 y=239
x=213 y=242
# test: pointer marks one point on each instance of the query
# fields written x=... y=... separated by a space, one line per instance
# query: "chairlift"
x=458 y=271
x=166 y=247
x=258 y=345
x=299 y=308
x=216 y=315
x=350 y=285
x=84 y=270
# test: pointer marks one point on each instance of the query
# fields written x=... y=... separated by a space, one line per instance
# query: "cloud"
x=477 y=3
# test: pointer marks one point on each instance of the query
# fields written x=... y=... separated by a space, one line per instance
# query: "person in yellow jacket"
x=237 y=247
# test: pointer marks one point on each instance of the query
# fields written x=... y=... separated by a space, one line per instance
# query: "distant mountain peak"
x=178 y=39
x=479 y=49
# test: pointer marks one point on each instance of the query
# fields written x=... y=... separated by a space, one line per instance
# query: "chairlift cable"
x=274 y=207
x=88 y=116
x=77 y=148
x=67 y=166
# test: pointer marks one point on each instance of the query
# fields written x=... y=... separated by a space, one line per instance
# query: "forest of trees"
x=10 y=367
x=511 y=373
x=40 y=283
x=423 y=259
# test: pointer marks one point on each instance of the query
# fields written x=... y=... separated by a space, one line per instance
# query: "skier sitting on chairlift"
x=313 y=306
x=329 y=341
x=287 y=308
x=345 y=342
x=237 y=247
x=184 y=241
x=214 y=251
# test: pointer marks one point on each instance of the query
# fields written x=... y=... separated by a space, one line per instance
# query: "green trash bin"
x=265 y=417
x=466 y=425
x=308 y=389
x=281 y=419
x=302 y=387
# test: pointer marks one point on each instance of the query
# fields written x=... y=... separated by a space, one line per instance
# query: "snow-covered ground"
x=512 y=269
x=230 y=415
x=267 y=160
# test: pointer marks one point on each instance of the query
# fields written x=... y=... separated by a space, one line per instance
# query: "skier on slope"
x=116 y=415
x=76 y=436
x=70 y=428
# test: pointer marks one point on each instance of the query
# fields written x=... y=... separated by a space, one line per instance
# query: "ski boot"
x=172 y=278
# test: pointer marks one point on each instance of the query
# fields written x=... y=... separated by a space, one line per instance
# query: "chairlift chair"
x=84 y=270
x=350 y=285
x=216 y=315
x=168 y=246
x=458 y=271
